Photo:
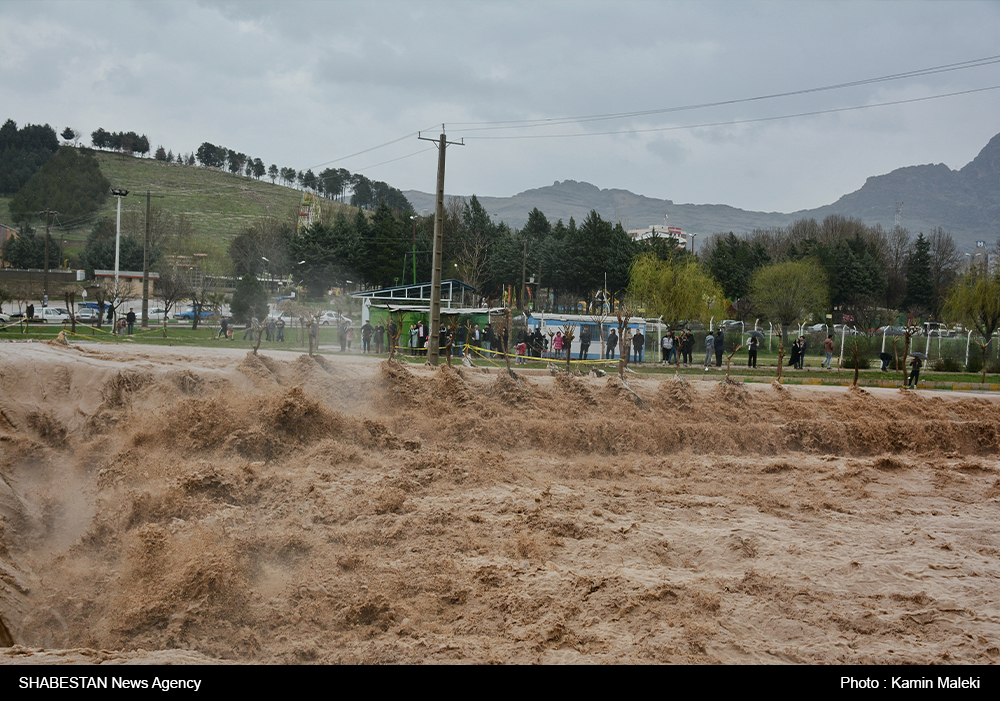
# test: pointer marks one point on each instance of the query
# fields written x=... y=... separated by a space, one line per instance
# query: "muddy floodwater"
x=197 y=505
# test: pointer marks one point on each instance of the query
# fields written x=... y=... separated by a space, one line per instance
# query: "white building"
x=660 y=231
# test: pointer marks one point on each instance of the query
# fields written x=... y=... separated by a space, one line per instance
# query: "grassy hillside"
x=214 y=202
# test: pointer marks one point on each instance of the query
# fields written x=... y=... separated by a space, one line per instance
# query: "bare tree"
x=69 y=294
x=569 y=333
x=945 y=260
x=897 y=252
x=623 y=313
x=913 y=325
x=394 y=329
x=173 y=288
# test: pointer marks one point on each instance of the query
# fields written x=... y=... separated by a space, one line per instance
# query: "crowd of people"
x=676 y=346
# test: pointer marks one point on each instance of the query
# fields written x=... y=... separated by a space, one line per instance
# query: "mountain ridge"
x=965 y=202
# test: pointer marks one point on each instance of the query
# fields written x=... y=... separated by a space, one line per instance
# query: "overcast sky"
x=307 y=84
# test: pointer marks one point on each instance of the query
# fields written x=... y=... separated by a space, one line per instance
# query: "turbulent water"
x=340 y=509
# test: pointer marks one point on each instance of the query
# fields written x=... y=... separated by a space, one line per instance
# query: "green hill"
x=214 y=202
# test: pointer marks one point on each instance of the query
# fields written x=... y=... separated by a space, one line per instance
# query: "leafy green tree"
x=100 y=138
x=161 y=153
x=70 y=183
x=272 y=172
x=788 y=292
x=249 y=300
x=975 y=301
x=211 y=156
x=677 y=290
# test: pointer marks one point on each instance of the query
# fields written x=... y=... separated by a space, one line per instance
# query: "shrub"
x=945 y=365
x=975 y=363
x=864 y=361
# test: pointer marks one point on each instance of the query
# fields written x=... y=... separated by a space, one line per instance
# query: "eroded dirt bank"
x=295 y=509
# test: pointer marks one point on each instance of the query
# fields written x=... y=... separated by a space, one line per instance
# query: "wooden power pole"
x=145 y=263
x=434 y=345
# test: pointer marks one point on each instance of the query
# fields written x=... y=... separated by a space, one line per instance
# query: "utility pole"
x=434 y=345
x=145 y=263
x=45 y=278
x=524 y=265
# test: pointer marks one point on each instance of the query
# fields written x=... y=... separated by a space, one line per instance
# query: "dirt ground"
x=202 y=504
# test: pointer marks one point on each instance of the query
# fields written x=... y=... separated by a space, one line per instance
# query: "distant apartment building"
x=660 y=231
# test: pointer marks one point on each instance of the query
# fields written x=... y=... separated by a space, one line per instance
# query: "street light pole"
x=119 y=195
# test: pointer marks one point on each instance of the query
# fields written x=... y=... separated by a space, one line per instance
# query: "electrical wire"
x=511 y=124
x=735 y=121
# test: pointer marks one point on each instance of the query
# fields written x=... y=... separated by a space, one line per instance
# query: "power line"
x=393 y=160
x=512 y=124
x=735 y=121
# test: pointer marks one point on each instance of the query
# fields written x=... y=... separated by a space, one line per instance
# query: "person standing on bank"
x=915 y=372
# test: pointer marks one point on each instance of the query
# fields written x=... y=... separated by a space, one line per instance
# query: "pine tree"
x=919 y=286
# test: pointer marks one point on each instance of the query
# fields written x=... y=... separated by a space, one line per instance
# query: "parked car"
x=87 y=315
x=159 y=314
x=892 y=330
x=329 y=318
x=284 y=316
x=188 y=314
x=52 y=315
x=4 y=319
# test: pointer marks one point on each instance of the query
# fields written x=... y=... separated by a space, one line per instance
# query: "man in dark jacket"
x=584 y=342
x=638 y=346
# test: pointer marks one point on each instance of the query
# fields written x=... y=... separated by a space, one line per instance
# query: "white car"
x=156 y=314
x=329 y=318
x=52 y=315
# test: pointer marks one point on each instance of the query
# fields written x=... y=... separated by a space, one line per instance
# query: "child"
x=522 y=349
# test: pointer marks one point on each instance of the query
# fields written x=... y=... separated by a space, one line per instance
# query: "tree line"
x=560 y=264
x=122 y=141
x=868 y=274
